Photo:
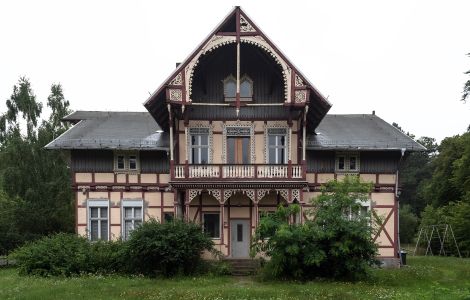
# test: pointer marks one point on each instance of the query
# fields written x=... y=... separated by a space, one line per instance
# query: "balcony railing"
x=238 y=171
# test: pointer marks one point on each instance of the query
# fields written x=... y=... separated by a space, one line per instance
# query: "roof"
x=359 y=132
x=111 y=130
x=156 y=103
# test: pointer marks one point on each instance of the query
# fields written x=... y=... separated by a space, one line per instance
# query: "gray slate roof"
x=359 y=132
x=139 y=131
x=111 y=130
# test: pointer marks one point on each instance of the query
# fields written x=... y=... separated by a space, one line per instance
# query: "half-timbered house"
x=235 y=131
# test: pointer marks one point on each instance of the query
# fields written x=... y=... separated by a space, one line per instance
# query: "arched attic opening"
x=257 y=66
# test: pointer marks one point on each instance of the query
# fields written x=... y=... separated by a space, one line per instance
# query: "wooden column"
x=222 y=227
x=238 y=61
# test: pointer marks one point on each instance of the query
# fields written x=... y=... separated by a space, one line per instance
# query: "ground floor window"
x=98 y=220
x=132 y=212
x=212 y=224
x=363 y=210
x=168 y=217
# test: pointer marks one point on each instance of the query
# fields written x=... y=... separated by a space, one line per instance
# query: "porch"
x=250 y=171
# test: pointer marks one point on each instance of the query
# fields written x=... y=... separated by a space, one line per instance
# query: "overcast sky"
x=404 y=59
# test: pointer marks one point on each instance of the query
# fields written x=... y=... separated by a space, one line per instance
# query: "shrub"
x=58 y=255
x=408 y=224
x=332 y=245
x=168 y=249
x=107 y=257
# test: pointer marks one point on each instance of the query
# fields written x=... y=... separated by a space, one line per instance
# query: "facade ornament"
x=245 y=26
x=178 y=80
x=175 y=94
x=298 y=81
x=300 y=96
x=284 y=194
x=296 y=195
x=193 y=194
x=216 y=194
x=262 y=193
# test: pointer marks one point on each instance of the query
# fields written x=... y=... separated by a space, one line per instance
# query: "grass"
x=423 y=278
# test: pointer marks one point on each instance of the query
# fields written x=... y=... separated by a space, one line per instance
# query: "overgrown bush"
x=170 y=248
x=58 y=255
x=336 y=243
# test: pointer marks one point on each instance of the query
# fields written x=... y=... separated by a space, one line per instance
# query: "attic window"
x=347 y=162
x=230 y=88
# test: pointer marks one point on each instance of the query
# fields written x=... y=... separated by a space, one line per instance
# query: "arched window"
x=246 y=88
x=230 y=88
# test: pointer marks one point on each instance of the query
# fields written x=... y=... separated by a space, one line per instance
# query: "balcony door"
x=238 y=150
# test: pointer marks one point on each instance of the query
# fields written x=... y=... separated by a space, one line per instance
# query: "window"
x=212 y=224
x=230 y=88
x=126 y=162
x=121 y=162
x=347 y=162
x=132 y=162
x=363 y=210
x=199 y=146
x=277 y=146
x=168 y=217
x=98 y=224
x=132 y=216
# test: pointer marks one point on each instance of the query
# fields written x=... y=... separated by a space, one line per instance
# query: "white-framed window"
x=132 y=216
x=277 y=146
x=126 y=161
x=347 y=162
x=211 y=224
x=230 y=88
x=364 y=210
x=199 y=146
x=98 y=219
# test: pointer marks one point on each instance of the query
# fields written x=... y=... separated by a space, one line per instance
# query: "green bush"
x=408 y=224
x=337 y=243
x=170 y=248
x=58 y=255
x=107 y=257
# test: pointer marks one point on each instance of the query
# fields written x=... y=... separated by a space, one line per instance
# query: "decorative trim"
x=245 y=26
x=300 y=96
x=284 y=194
x=298 y=81
x=242 y=124
x=193 y=194
x=262 y=193
x=286 y=70
x=175 y=94
x=216 y=194
x=178 y=80
x=296 y=195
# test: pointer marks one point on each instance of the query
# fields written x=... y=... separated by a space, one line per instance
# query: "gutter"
x=398 y=205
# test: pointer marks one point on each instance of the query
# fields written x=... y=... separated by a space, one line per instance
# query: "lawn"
x=423 y=278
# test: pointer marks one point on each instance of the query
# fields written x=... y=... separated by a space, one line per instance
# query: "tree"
x=466 y=88
x=335 y=243
x=408 y=224
x=37 y=180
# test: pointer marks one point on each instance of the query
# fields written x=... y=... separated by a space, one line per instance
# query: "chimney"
x=178 y=64
x=373 y=112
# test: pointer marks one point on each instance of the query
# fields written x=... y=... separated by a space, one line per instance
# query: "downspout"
x=398 y=204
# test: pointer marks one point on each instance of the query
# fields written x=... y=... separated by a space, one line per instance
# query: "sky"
x=404 y=59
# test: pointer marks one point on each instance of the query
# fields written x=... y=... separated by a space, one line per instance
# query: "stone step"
x=243 y=267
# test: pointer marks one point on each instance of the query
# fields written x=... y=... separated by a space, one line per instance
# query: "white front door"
x=239 y=238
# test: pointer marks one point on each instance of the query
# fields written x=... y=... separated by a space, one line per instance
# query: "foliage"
x=408 y=224
x=170 y=248
x=450 y=180
x=337 y=243
x=58 y=255
x=10 y=237
x=423 y=278
x=455 y=214
x=36 y=180
x=466 y=88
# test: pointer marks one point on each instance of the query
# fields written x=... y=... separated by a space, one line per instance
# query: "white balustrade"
x=203 y=171
x=272 y=171
x=238 y=171
x=179 y=171
x=296 y=171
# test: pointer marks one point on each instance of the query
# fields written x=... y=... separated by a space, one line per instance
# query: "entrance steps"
x=243 y=266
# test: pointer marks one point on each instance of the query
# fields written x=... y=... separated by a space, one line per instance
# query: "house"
x=235 y=131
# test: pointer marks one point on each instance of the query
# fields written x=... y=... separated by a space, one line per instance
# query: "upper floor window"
x=277 y=146
x=347 y=162
x=126 y=161
x=199 y=146
x=230 y=88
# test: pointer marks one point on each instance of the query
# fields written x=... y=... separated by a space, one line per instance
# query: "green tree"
x=466 y=88
x=408 y=224
x=335 y=243
x=38 y=179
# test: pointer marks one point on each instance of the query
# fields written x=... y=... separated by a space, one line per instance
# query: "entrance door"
x=239 y=238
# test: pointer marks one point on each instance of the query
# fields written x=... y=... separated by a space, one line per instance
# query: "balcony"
x=254 y=171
